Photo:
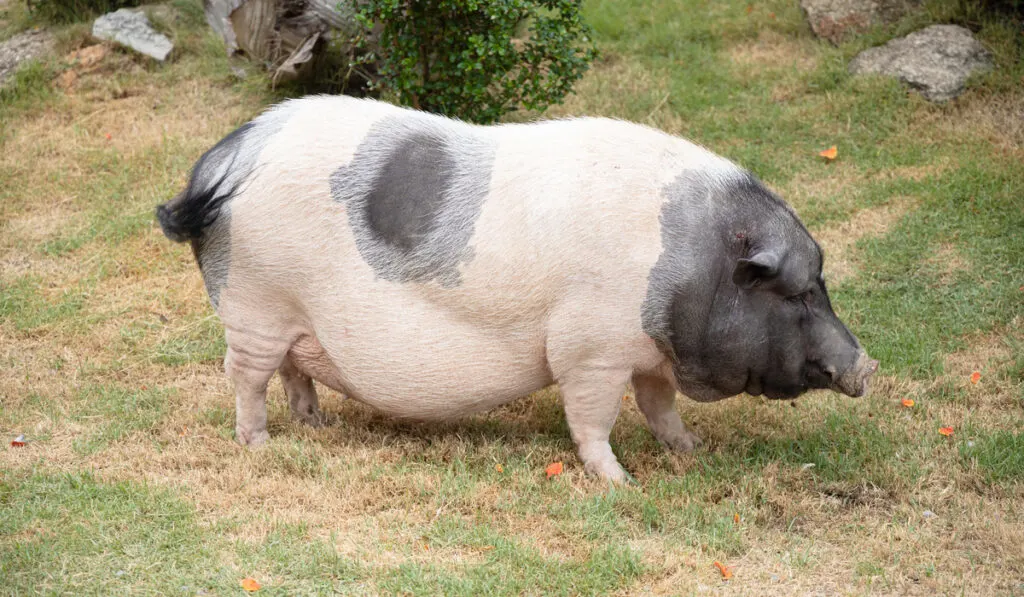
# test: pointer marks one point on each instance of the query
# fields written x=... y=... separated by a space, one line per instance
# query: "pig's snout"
x=854 y=381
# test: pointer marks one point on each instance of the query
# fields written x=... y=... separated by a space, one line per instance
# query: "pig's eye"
x=799 y=298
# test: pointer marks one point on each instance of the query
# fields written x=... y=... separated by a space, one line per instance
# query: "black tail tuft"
x=184 y=217
x=213 y=182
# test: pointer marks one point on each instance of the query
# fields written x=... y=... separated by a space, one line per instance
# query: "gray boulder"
x=22 y=47
x=837 y=20
x=935 y=61
x=131 y=28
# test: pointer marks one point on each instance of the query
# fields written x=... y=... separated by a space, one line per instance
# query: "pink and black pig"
x=432 y=269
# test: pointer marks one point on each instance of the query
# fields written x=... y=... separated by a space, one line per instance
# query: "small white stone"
x=131 y=28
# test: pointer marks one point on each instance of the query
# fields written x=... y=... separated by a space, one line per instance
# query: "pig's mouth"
x=854 y=381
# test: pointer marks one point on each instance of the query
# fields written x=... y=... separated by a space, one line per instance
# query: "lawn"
x=130 y=481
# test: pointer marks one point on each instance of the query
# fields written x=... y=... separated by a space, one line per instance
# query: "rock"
x=837 y=20
x=22 y=47
x=935 y=61
x=131 y=28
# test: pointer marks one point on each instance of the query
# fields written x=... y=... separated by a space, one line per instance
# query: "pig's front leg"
x=592 y=398
x=657 y=400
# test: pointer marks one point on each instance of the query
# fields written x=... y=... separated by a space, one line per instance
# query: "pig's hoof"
x=612 y=472
x=252 y=439
x=686 y=441
x=313 y=418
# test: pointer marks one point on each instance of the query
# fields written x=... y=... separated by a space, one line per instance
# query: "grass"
x=72 y=11
x=131 y=483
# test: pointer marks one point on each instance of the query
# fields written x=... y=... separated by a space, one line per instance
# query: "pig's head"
x=737 y=298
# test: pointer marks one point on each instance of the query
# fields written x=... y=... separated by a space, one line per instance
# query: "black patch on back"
x=409 y=192
x=413 y=192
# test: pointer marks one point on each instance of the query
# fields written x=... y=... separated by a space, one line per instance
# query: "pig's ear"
x=756 y=269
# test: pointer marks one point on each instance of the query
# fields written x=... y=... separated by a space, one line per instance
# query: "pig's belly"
x=410 y=377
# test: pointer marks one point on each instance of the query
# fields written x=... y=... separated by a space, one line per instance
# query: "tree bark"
x=286 y=35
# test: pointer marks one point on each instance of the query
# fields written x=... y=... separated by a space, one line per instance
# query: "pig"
x=432 y=268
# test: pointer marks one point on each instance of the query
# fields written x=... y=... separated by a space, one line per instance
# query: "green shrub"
x=476 y=59
x=73 y=11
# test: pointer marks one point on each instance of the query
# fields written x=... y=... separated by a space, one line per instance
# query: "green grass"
x=915 y=316
x=23 y=304
x=121 y=412
x=130 y=482
x=29 y=86
x=61 y=529
x=999 y=455
x=201 y=340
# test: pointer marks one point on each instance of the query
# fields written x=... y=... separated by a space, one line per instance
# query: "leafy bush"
x=476 y=59
x=72 y=11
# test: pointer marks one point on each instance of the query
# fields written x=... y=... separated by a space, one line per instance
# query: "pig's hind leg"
x=250 y=362
x=657 y=400
x=302 y=396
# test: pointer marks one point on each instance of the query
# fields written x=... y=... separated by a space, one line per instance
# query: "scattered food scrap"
x=250 y=584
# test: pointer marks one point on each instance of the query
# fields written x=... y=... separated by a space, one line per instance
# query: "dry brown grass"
x=835 y=183
x=619 y=77
x=999 y=119
x=946 y=263
x=774 y=51
x=985 y=351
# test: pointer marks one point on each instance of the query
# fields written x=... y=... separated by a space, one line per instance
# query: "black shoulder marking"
x=413 y=192
x=681 y=268
x=708 y=222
